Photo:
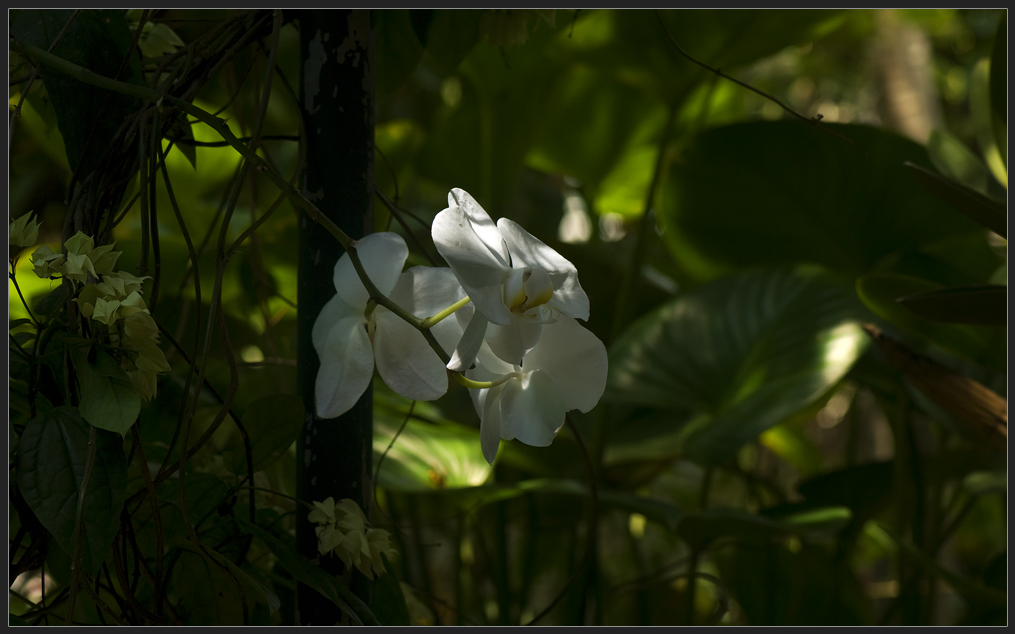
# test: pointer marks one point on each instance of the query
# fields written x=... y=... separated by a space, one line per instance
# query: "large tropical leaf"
x=781 y=192
x=732 y=359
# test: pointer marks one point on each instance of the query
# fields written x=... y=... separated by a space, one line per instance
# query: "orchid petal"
x=576 y=361
x=479 y=271
x=528 y=250
x=513 y=341
x=489 y=425
x=488 y=368
x=347 y=365
x=382 y=255
x=469 y=345
x=481 y=223
x=406 y=361
x=425 y=291
x=333 y=312
x=531 y=409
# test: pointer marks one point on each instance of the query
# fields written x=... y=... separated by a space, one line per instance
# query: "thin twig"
x=719 y=73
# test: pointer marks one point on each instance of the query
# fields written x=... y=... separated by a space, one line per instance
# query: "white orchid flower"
x=566 y=370
x=343 y=332
x=517 y=283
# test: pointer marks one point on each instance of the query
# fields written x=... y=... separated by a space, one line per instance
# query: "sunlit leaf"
x=425 y=456
x=737 y=357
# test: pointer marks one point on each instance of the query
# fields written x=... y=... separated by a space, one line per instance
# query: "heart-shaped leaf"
x=109 y=399
x=51 y=468
x=734 y=358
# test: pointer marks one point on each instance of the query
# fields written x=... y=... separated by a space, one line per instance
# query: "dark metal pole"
x=333 y=457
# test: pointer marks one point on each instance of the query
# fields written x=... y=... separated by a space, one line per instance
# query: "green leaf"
x=785 y=584
x=387 y=601
x=306 y=572
x=272 y=423
x=732 y=359
x=783 y=192
x=503 y=103
x=205 y=493
x=967 y=588
x=953 y=159
x=109 y=399
x=396 y=37
x=986 y=482
x=54 y=300
x=251 y=586
x=207 y=593
x=981 y=344
x=701 y=528
x=98 y=40
x=51 y=465
x=999 y=85
x=632 y=45
x=587 y=142
x=982 y=305
x=425 y=456
x=421 y=20
x=451 y=34
x=986 y=211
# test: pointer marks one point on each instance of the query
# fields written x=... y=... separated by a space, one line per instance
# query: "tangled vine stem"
x=220 y=126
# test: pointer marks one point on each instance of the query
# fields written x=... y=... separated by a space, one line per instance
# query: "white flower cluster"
x=516 y=341
x=107 y=296
x=343 y=529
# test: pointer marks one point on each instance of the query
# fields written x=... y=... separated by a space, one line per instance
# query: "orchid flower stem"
x=447 y=312
x=482 y=385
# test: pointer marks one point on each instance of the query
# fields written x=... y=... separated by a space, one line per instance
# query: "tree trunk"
x=333 y=457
